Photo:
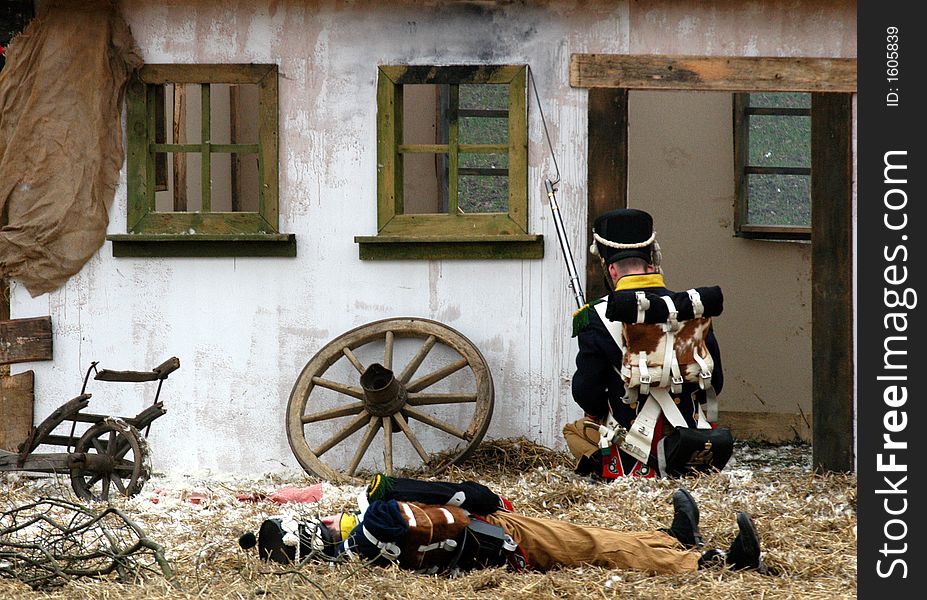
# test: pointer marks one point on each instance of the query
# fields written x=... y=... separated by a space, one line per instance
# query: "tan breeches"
x=549 y=543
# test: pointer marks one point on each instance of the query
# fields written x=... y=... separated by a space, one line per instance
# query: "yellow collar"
x=636 y=282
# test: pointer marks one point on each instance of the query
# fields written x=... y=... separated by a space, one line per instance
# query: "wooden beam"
x=24 y=340
x=16 y=406
x=179 y=126
x=607 y=160
x=832 y=281
x=775 y=428
x=713 y=73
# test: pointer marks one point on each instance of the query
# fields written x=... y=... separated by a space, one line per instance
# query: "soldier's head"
x=626 y=242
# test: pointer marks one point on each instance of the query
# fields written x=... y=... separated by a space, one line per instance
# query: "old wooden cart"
x=111 y=454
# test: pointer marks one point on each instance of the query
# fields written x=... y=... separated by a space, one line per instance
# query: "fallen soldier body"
x=442 y=527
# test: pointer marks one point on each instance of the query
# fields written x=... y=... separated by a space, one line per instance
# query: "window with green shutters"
x=772 y=151
x=202 y=163
x=452 y=164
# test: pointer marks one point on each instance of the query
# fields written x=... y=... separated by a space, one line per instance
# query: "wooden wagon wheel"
x=111 y=455
x=377 y=398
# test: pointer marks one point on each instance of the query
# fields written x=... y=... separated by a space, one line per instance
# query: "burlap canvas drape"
x=61 y=149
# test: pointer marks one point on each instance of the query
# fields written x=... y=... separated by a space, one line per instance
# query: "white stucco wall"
x=244 y=328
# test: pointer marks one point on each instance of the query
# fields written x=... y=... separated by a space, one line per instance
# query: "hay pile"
x=807 y=523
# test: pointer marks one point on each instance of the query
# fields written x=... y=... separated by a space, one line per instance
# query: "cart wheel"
x=351 y=380
x=110 y=456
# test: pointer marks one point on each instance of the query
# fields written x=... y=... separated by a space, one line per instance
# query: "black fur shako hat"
x=623 y=233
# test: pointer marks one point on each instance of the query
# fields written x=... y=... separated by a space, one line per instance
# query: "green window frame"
x=204 y=232
x=772 y=155
x=451 y=233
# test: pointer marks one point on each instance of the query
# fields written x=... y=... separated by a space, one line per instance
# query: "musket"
x=564 y=244
x=555 y=208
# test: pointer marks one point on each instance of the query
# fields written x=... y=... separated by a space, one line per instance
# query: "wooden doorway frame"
x=832 y=83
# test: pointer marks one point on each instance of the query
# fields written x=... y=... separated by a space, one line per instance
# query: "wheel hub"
x=384 y=395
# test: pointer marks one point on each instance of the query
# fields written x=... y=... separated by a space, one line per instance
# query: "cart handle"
x=158 y=373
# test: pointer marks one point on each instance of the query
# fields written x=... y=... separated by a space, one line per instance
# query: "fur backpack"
x=663 y=344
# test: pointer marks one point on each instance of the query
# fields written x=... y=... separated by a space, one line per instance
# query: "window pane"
x=233 y=113
x=477 y=160
x=424 y=113
x=234 y=183
x=424 y=183
x=483 y=130
x=781 y=141
x=484 y=96
x=183 y=192
x=779 y=200
x=483 y=193
x=182 y=114
x=780 y=99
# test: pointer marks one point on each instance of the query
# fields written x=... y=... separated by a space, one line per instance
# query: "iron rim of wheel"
x=114 y=439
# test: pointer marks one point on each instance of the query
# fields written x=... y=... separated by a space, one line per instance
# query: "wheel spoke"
x=357 y=364
x=388 y=444
x=339 y=437
x=411 y=436
x=372 y=428
x=111 y=444
x=118 y=481
x=98 y=446
x=429 y=399
x=436 y=423
x=435 y=376
x=388 y=351
x=93 y=480
x=344 y=411
x=416 y=361
x=347 y=390
x=104 y=494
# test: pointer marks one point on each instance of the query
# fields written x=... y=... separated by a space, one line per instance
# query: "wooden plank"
x=832 y=277
x=180 y=138
x=453 y=160
x=518 y=149
x=282 y=245
x=741 y=159
x=136 y=151
x=713 y=73
x=416 y=226
x=456 y=74
x=181 y=223
x=214 y=73
x=389 y=138
x=24 y=340
x=373 y=248
x=206 y=158
x=16 y=409
x=607 y=174
x=268 y=137
x=234 y=129
x=770 y=427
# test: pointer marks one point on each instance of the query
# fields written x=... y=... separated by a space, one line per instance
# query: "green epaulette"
x=581 y=316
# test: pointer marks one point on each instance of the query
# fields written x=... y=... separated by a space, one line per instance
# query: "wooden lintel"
x=713 y=73
x=24 y=340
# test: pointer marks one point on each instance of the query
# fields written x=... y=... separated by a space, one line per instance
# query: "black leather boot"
x=744 y=552
x=685 y=520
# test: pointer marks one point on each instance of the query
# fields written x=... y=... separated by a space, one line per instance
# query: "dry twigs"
x=52 y=541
